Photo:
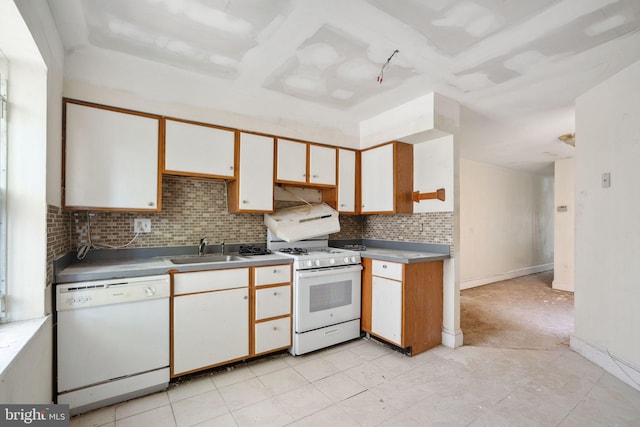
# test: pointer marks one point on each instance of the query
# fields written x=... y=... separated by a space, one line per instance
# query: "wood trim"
x=358 y=206
x=161 y=145
x=233 y=187
x=171 y=329
x=110 y=108
x=307 y=170
x=199 y=175
x=204 y=368
x=273 y=285
x=269 y=319
x=64 y=154
x=252 y=311
x=193 y=122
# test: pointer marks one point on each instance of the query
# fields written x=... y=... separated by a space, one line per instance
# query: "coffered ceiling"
x=514 y=66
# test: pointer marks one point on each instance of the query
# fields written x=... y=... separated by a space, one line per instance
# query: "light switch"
x=562 y=209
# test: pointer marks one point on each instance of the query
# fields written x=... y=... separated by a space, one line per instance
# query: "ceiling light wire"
x=381 y=75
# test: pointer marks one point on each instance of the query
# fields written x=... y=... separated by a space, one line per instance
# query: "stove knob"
x=346 y=259
x=332 y=261
x=318 y=262
x=309 y=263
x=353 y=259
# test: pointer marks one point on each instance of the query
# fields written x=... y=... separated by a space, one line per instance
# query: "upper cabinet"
x=196 y=149
x=252 y=191
x=387 y=179
x=110 y=158
x=301 y=163
x=347 y=173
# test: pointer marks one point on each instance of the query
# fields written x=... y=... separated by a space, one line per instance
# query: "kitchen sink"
x=205 y=258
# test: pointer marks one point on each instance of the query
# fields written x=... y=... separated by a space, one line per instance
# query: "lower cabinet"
x=222 y=316
x=210 y=319
x=402 y=303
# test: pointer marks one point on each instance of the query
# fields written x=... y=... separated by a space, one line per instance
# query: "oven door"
x=326 y=296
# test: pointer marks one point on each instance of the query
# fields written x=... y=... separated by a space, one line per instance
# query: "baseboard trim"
x=617 y=367
x=452 y=340
x=505 y=276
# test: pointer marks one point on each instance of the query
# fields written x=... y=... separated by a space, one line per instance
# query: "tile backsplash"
x=195 y=208
x=58 y=237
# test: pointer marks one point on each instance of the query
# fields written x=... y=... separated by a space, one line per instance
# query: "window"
x=4 y=71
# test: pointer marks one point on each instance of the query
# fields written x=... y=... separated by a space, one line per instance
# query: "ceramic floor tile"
x=190 y=388
x=141 y=404
x=316 y=369
x=368 y=409
x=268 y=413
x=401 y=420
x=331 y=416
x=199 y=408
x=232 y=376
x=225 y=420
x=371 y=349
x=447 y=410
x=158 y=417
x=395 y=364
x=494 y=417
x=303 y=401
x=612 y=389
x=339 y=386
x=592 y=412
x=399 y=393
x=99 y=417
x=367 y=375
x=296 y=360
x=343 y=359
x=245 y=393
x=264 y=366
x=282 y=380
x=534 y=405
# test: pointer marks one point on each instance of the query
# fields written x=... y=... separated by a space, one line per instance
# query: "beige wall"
x=564 y=223
x=506 y=223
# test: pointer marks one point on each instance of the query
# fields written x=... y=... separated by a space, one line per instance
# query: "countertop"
x=122 y=268
x=401 y=255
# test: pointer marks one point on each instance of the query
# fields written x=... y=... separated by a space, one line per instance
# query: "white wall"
x=506 y=223
x=433 y=169
x=564 y=223
x=607 y=232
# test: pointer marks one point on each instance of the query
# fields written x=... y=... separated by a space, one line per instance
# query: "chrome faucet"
x=201 y=246
x=222 y=248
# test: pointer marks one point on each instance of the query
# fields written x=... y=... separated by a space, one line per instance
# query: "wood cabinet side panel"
x=367 y=277
x=422 y=305
x=403 y=164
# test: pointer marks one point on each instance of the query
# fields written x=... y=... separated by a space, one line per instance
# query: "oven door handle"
x=328 y=271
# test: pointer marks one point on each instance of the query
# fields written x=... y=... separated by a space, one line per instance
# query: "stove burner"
x=294 y=251
x=253 y=250
x=358 y=248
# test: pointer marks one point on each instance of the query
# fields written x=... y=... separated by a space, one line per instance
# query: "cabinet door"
x=111 y=158
x=386 y=309
x=209 y=329
x=292 y=161
x=256 y=173
x=378 y=179
x=346 y=180
x=198 y=149
x=322 y=165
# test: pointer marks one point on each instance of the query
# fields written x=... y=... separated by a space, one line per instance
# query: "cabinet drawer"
x=272 y=302
x=390 y=270
x=272 y=335
x=213 y=280
x=273 y=274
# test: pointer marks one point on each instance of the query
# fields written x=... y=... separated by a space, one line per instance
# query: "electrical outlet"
x=142 y=225
x=606 y=180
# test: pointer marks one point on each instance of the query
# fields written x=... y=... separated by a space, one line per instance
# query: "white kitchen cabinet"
x=272 y=308
x=111 y=158
x=197 y=149
x=346 y=181
x=386 y=309
x=305 y=164
x=402 y=303
x=322 y=165
x=387 y=179
x=252 y=191
x=210 y=325
x=291 y=161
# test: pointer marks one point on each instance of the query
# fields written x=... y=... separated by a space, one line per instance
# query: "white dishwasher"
x=112 y=340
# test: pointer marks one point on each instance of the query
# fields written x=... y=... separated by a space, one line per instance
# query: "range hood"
x=303 y=222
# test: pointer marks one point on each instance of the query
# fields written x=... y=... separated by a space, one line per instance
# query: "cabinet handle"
x=151 y=203
x=245 y=202
x=314 y=176
x=245 y=297
x=275 y=271
x=230 y=168
x=275 y=294
x=384 y=265
x=275 y=328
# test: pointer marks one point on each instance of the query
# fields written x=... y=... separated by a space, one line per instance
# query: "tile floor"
x=364 y=383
